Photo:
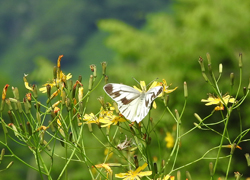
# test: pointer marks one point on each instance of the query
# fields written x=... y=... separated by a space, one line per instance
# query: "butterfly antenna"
x=136 y=81
x=152 y=81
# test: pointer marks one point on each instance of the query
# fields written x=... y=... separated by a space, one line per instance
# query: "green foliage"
x=50 y=28
x=169 y=46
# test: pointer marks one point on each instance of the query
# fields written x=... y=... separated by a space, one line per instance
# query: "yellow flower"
x=212 y=100
x=44 y=89
x=111 y=119
x=169 y=139
x=104 y=113
x=165 y=87
x=107 y=166
x=90 y=118
x=135 y=175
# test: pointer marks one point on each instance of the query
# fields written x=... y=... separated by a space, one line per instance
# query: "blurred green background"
x=141 y=39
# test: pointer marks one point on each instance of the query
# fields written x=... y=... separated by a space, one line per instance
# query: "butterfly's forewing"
x=132 y=104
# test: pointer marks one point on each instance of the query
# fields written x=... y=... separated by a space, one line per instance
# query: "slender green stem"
x=221 y=142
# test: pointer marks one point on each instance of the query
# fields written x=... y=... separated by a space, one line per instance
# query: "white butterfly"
x=132 y=104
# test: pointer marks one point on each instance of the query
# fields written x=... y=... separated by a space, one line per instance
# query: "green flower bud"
x=240 y=60
x=185 y=90
x=211 y=169
x=188 y=176
x=104 y=66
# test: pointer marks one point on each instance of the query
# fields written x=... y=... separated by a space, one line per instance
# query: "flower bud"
x=155 y=168
x=90 y=82
x=37 y=106
x=35 y=91
x=29 y=128
x=80 y=78
x=107 y=130
x=231 y=79
x=211 y=169
x=208 y=58
x=70 y=136
x=210 y=70
x=52 y=127
x=188 y=176
x=237 y=175
x=106 y=79
x=90 y=127
x=5 y=91
x=93 y=69
x=14 y=129
x=178 y=175
x=22 y=128
x=248 y=159
x=197 y=117
x=48 y=87
x=19 y=106
x=26 y=106
x=10 y=164
x=54 y=72
x=80 y=94
x=41 y=137
x=201 y=64
x=2 y=105
x=74 y=91
x=68 y=104
x=2 y=154
x=240 y=60
x=220 y=68
x=10 y=116
x=59 y=63
x=46 y=145
x=104 y=65
x=136 y=161
x=185 y=90
x=9 y=104
x=15 y=92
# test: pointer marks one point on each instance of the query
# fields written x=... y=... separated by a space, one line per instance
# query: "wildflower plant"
x=63 y=128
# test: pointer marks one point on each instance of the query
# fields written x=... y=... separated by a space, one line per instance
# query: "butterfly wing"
x=132 y=104
x=145 y=101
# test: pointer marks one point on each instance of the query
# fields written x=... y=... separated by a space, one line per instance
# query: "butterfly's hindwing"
x=132 y=104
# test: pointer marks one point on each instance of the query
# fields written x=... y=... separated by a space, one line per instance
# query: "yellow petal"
x=143 y=86
x=26 y=84
x=145 y=173
x=121 y=175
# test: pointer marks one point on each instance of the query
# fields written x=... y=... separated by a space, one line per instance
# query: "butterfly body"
x=134 y=105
